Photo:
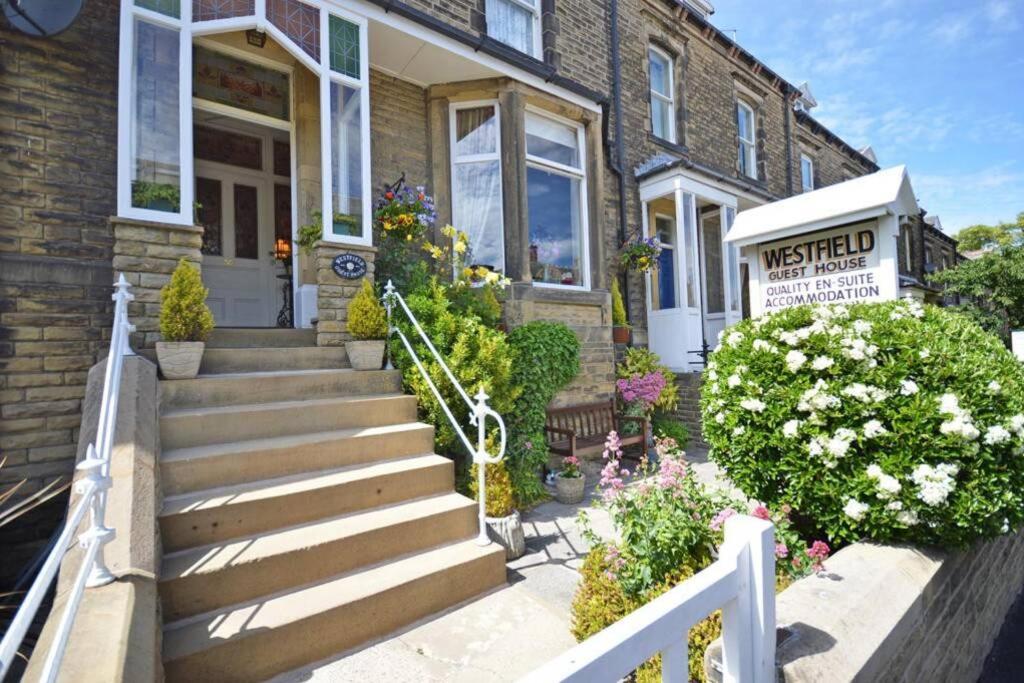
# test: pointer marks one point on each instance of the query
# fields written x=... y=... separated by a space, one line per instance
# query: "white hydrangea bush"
x=891 y=422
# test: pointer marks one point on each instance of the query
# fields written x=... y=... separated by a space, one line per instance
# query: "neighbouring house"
x=550 y=130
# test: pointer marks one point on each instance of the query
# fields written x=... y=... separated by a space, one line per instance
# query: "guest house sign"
x=834 y=266
x=836 y=245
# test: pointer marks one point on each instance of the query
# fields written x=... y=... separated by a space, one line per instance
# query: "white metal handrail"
x=91 y=488
x=479 y=411
x=741 y=582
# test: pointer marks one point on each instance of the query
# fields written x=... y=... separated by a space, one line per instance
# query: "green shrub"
x=547 y=358
x=618 y=306
x=184 y=315
x=366 y=316
x=498 y=485
x=639 y=362
x=893 y=422
x=665 y=426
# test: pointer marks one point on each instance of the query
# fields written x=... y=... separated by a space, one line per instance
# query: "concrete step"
x=212 y=516
x=219 y=361
x=273 y=634
x=183 y=428
x=270 y=387
x=212 y=577
x=204 y=467
x=259 y=337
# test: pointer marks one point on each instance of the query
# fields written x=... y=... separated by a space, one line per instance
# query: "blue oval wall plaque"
x=349 y=266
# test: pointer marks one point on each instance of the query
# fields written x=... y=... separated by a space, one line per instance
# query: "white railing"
x=91 y=488
x=741 y=583
x=479 y=411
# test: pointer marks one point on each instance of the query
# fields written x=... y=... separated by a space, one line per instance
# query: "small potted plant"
x=569 y=482
x=620 y=326
x=368 y=325
x=185 y=323
x=641 y=254
x=503 y=521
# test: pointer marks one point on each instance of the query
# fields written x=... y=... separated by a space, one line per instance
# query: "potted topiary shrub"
x=368 y=325
x=620 y=326
x=503 y=522
x=185 y=323
x=569 y=482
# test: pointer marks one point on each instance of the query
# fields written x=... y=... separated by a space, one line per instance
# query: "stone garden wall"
x=896 y=614
x=335 y=293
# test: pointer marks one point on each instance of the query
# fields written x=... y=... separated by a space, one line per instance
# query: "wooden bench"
x=582 y=429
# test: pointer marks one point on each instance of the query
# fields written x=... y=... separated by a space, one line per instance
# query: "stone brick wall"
x=688 y=411
x=896 y=613
x=334 y=293
x=398 y=130
x=57 y=169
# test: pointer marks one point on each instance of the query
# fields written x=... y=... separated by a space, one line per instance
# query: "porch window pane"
x=247 y=229
x=298 y=21
x=552 y=141
x=512 y=23
x=690 y=251
x=209 y=10
x=171 y=8
x=156 y=163
x=344 y=46
x=733 y=255
x=556 y=246
x=664 y=295
x=711 y=234
x=346 y=161
x=476 y=199
x=211 y=215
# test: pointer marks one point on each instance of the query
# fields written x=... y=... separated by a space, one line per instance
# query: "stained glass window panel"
x=344 y=46
x=171 y=8
x=210 y=215
x=247 y=229
x=298 y=21
x=209 y=10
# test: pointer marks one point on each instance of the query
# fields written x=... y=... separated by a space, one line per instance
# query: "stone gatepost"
x=334 y=292
x=147 y=253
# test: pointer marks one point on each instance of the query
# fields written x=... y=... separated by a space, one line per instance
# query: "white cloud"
x=988 y=196
x=952 y=29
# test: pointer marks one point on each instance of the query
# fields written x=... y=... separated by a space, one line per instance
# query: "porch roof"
x=869 y=196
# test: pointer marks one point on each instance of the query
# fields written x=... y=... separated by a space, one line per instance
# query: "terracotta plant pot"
x=569 y=490
x=366 y=354
x=179 y=360
x=508 y=532
x=620 y=335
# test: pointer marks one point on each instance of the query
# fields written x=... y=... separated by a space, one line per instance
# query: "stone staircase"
x=304 y=511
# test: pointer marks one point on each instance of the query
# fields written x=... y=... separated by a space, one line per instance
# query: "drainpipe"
x=619 y=156
x=787 y=113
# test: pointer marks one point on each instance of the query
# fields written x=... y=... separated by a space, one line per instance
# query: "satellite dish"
x=41 y=18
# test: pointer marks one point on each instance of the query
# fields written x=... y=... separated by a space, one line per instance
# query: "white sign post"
x=1017 y=342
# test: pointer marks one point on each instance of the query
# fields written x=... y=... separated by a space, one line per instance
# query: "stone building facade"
x=69 y=215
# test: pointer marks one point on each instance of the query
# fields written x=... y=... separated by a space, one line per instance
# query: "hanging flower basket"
x=641 y=255
x=404 y=213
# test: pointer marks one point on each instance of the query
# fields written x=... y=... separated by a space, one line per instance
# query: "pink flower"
x=761 y=512
x=644 y=388
x=786 y=509
x=612 y=446
x=818 y=551
x=719 y=519
x=781 y=550
x=671 y=472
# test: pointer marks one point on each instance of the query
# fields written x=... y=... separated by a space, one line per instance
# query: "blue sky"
x=937 y=85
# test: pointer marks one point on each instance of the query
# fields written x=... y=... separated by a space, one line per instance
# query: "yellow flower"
x=388 y=225
x=492 y=277
x=448 y=231
x=460 y=247
x=467 y=272
x=463 y=237
x=408 y=238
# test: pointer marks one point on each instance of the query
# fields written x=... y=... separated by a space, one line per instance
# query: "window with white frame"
x=155 y=155
x=556 y=201
x=662 y=97
x=746 y=126
x=515 y=23
x=476 y=181
x=806 y=173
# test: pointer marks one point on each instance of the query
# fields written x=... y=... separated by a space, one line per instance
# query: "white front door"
x=239 y=268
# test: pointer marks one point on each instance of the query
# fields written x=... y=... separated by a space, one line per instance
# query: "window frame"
x=750 y=158
x=577 y=173
x=455 y=159
x=804 y=187
x=669 y=99
x=534 y=8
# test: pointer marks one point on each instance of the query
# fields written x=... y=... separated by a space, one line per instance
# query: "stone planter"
x=508 y=531
x=620 y=335
x=179 y=360
x=569 y=490
x=366 y=354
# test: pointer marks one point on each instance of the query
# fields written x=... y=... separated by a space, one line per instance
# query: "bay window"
x=476 y=181
x=662 y=99
x=556 y=201
x=746 y=124
x=516 y=23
